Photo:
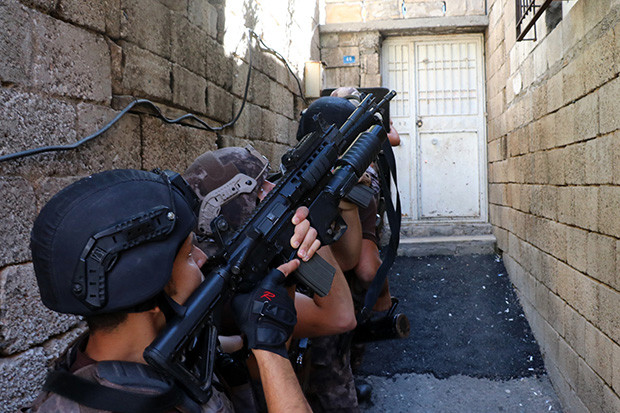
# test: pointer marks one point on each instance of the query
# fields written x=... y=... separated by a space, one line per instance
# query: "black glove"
x=266 y=315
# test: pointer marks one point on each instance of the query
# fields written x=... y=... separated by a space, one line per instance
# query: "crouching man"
x=115 y=247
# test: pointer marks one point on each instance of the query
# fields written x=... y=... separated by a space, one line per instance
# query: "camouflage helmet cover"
x=227 y=182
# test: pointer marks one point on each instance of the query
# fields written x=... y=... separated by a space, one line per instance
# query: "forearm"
x=280 y=385
x=347 y=248
x=332 y=314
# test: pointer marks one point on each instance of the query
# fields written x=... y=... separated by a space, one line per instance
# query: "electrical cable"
x=187 y=120
x=279 y=56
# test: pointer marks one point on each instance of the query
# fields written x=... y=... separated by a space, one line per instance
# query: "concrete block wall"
x=68 y=67
x=554 y=155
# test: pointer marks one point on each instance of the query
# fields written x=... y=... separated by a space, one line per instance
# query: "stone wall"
x=347 y=11
x=554 y=183
x=67 y=68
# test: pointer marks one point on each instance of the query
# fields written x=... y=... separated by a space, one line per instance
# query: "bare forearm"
x=332 y=314
x=282 y=391
x=347 y=248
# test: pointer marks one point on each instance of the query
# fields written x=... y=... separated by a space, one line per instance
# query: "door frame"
x=414 y=133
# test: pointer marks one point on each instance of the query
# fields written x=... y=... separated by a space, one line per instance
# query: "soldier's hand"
x=304 y=237
x=267 y=315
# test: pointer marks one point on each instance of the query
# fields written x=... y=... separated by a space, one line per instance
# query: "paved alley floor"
x=470 y=347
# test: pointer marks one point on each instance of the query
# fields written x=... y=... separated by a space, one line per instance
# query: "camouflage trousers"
x=331 y=387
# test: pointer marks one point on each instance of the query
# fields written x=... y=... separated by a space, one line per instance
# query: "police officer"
x=113 y=247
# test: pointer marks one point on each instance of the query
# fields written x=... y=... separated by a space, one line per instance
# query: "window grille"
x=528 y=12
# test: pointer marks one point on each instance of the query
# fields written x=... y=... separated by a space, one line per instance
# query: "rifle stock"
x=320 y=171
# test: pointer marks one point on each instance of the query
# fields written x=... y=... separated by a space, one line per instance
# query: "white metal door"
x=439 y=113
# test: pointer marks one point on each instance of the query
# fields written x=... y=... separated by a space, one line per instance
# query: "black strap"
x=387 y=165
x=97 y=396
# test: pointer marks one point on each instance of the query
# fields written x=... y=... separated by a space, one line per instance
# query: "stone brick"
x=256 y=122
x=556 y=166
x=555 y=317
x=188 y=89
x=343 y=13
x=335 y=57
x=554 y=92
x=599 y=352
x=219 y=103
x=590 y=388
x=600 y=58
x=424 y=9
x=29 y=121
x=575 y=331
x=576 y=164
x=587 y=298
x=46 y=187
x=616 y=367
x=70 y=61
x=22 y=375
x=602 y=258
x=370 y=64
x=88 y=14
x=45 y=5
x=113 y=18
x=568 y=363
x=198 y=142
x=275 y=127
x=15 y=43
x=608 y=320
x=188 y=45
x=586 y=212
x=219 y=67
x=21 y=378
x=175 y=5
x=615 y=157
x=381 y=10
x=587 y=120
x=566 y=205
x=260 y=89
x=17 y=214
x=565 y=126
x=116 y=68
x=281 y=100
x=573 y=30
x=609 y=108
x=370 y=80
x=574 y=86
x=329 y=40
x=611 y=401
x=146 y=74
x=147 y=24
x=577 y=248
x=608 y=207
x=203 y=15
x=26 y=322
x=566 y=283
x=599 y=160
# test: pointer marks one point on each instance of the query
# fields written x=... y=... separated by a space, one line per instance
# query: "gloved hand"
x=266 y=315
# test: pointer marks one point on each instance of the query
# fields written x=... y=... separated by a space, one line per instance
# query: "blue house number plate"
x=348 y=59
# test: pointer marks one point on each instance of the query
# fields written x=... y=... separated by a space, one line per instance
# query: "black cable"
x=279 y=56
x=182 y=120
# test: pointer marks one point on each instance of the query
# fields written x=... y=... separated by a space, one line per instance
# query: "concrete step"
x=446 y=245
x=444 y=229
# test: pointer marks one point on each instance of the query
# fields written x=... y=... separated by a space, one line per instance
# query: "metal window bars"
x=527 y=13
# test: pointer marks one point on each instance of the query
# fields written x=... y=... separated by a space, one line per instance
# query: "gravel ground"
x=469 y=343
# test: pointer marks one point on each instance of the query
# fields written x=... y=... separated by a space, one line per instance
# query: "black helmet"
x=333 y=110
x=107 y=242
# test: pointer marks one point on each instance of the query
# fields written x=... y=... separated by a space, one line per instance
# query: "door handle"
x=419 y=122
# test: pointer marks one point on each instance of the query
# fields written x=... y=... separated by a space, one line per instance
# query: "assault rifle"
x=320 y=171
